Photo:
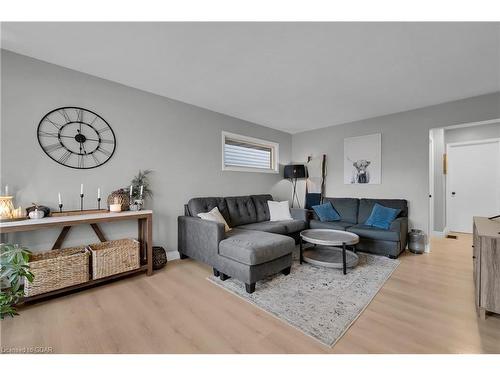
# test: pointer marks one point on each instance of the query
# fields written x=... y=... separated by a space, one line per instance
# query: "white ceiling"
x=287 y=76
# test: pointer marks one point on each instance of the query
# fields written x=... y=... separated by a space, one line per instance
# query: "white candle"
x=117 y=207
x=142 y=188
x=98 y=193
x=6 y=189
x=59 y=196
x=131 y=190
x=81 y=189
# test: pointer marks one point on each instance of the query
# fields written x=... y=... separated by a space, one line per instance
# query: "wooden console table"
x=144 y=229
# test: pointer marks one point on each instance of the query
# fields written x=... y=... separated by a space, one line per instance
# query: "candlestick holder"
x=137 y=205
x=81 y=202
x=60 y=207
x=98 y=203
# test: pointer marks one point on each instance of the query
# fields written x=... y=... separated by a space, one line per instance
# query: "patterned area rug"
x=321 y=302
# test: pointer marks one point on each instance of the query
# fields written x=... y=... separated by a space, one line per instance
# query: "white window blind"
x=248 y=154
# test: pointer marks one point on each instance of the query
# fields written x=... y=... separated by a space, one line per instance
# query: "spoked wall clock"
x=76 y=137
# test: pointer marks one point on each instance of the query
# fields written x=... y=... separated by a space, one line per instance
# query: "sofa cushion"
x=366 y=207
x=265 y=226
x=337 y=225
x=261 y=207
x=382 y=217
x=241 y=210
x=214 y=215
x=252 y=247
x=280 y=227
x=279 y=211
x=373 y=233
x=199 y=205
x=326 y=212
x=293 y=226
x=346 y=207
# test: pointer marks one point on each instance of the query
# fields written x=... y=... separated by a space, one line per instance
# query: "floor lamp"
x=292 y=173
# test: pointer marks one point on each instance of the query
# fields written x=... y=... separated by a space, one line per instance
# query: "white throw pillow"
x=279 y=211
x=215 y=215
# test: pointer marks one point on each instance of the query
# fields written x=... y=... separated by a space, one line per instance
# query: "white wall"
x=180 y=142
x=405 y=150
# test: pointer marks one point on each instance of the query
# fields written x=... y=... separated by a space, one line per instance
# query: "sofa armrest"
x=401 y=225
x=199 y=238
x=299 y=214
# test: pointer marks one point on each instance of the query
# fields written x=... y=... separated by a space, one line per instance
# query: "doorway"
x=477 y=175
x=472 y=182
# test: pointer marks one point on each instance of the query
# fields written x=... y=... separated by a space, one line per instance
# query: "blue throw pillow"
x=326 y=212
x=382 y=217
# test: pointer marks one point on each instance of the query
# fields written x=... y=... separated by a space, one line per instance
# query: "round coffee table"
x=332 y=250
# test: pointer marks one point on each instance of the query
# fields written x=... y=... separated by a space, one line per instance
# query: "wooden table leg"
x=60 y=239
x=98 y=232
x=145 y=237
x=140 y=238
x=482 y=313
x=149 y=244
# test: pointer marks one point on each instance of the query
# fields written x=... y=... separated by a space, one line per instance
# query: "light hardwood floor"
x=427 y=306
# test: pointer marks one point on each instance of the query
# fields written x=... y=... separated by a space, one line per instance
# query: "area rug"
x=321 y=302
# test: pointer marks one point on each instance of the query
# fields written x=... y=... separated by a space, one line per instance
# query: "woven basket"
x=159 y=257
x=112 y=257
x=119 y=197
x=57 y=269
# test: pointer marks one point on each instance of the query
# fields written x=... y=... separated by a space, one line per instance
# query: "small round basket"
x=159 y=257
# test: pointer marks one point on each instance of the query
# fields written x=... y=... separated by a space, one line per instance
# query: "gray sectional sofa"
x=354 y=212
x=255 y=247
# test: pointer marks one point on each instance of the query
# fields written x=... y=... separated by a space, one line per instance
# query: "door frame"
x=447 y=178
x=431 y=182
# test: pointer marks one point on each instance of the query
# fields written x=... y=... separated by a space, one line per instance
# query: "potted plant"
x=13 y=268
x=141 y=179
x=140 y=190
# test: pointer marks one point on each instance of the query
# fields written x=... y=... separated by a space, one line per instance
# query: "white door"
x=473 y=183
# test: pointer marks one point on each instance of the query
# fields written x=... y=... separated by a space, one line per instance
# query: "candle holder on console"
x=137 y=205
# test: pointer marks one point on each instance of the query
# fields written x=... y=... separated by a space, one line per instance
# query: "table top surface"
x=329 y=237
x=61 y=220
x=486 y=227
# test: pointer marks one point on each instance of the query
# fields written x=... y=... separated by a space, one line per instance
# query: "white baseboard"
x=435 y=233
x=172 y=255
x=443 y=234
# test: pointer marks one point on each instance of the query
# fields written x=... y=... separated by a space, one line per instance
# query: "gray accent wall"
x=181 y=143
x=405 y=150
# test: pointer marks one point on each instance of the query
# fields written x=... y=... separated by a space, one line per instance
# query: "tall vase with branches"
x=13 y=268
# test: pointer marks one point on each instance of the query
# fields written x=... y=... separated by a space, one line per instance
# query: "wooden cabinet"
x=486 y=261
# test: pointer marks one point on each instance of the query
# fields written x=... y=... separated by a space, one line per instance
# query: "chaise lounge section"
x=255 y=247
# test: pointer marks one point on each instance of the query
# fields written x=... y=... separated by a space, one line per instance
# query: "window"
x=240 y=153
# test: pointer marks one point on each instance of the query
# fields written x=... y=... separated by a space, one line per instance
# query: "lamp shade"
x=295 y=171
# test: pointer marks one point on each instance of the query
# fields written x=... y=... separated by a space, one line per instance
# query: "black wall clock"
x=76 y=137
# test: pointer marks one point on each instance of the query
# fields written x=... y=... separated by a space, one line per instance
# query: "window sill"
x=243 y=169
